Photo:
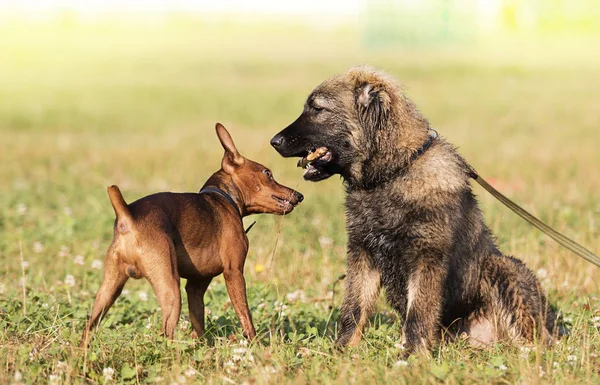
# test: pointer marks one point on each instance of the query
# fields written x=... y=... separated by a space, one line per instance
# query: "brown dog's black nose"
x=277 y=140
x=299 y=196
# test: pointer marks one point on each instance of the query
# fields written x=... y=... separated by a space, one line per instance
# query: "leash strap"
x=549 y=231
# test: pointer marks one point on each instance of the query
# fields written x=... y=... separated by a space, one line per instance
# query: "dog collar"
x=222 y=193
x=425 y=145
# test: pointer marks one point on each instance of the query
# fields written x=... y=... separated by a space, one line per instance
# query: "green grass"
x=84 y=106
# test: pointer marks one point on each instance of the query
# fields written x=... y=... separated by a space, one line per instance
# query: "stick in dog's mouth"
x=320 y=153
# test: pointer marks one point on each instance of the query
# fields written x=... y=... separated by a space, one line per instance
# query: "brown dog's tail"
x=121 y=209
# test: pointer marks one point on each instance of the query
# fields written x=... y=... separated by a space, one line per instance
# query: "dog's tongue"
x=311 y=157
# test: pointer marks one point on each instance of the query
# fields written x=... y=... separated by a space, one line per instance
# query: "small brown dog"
x=197 y=236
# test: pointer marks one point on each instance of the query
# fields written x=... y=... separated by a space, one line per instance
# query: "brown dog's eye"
x=268 y=174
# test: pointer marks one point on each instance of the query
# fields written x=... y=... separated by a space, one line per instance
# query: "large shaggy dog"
x=414 y=227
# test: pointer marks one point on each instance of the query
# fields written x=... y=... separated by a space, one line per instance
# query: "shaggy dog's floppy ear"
x=373 y=104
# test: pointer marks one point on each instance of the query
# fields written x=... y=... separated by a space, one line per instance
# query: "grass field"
x=82 y=107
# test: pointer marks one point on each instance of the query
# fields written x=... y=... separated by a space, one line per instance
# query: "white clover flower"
x=149 y=325
x=401 y=363
x=270 y=369
x=38 y=247
x=54 y=379
x=142 y=295
x=325 y=241
x=78 y=260
x=70 y=280
x=2 y=288
x=541 y=371
x=240 y=351
x=189 y=372
x=97 y=264
x=525 y=351
x=228 y=366
x=21 y=208
x=107 y=373
x=542 y=273
x=295 y=296
x=555 y=365
x=62 y=365
x=183 y=325
x=24 y=265
x=572 y=358
x=125 y=292
x=279 y=306
x=18 y=376
x=63 y=252
x=503 y=367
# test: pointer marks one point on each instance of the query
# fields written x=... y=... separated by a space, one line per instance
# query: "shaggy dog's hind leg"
x=514 y=300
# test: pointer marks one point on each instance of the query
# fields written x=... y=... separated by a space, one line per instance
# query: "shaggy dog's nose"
x=277 y=141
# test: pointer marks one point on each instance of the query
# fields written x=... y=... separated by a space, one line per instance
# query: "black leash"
x=229 y=199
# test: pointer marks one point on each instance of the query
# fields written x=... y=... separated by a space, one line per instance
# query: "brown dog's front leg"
x=195 y=292
x=236 y=287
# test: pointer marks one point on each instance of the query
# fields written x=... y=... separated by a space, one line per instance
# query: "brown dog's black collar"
x=224 y=195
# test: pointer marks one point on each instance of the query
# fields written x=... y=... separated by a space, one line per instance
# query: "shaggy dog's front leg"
x=363 y=282
x=424 y=304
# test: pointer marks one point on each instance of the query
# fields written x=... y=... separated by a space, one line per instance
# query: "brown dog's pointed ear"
x=373 y=104
x=232 y=157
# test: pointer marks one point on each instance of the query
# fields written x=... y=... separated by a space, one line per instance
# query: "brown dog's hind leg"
x=363 y=282
x=164 y=278
x=110 y=289
x=195 y=291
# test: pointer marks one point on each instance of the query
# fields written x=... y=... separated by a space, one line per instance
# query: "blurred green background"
x=128 y=94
